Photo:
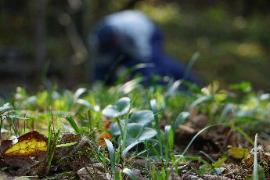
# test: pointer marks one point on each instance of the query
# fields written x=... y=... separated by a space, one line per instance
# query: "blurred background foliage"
x=45 y=39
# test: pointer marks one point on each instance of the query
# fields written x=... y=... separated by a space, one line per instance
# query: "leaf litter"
x=220 y=152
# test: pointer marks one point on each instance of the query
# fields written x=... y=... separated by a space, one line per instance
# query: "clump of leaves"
x=122 y=124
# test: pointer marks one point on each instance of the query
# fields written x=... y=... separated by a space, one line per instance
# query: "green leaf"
x=143 y=117
x=118 y=175
x=129 y=173
x=147 y=133
x=128 y=148
x=173 y=88
x=130 y=85
x=244 y=134
x=153 y=105
x=243 y=86
x=85 y=103
x=5 y=108
x=181 y=119
x=78 y=93
x=73 y=124
x=219 y=162
x=201 y=100
x=114 y=127
x=169 y=137
x=111 y=151
x=134 y=130
x=136 y=134
x=120 y=108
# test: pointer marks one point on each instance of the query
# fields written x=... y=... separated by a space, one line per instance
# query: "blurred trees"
x=37 y=34
x=40 y=11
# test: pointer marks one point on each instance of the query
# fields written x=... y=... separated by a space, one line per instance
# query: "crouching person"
x=130 y=40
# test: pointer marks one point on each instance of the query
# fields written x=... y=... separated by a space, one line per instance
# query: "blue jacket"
x=127 y=48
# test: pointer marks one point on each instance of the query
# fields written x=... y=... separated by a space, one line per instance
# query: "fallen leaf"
x=29 y=144
x=238 y=152
x=5 y=144
x=102 y=136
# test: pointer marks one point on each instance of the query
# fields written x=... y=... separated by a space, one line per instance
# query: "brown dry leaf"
x=5 y=144
x=68 y=138
x=102 y=136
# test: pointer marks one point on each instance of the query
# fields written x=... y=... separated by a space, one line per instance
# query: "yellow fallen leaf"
x=29 y=144
x=238 y=152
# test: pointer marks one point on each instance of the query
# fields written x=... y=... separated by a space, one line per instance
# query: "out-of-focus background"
x=45 y=39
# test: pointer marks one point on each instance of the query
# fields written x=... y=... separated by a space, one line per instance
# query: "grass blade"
x=255 y=175
x=73 y=124
x=111 y=152
x=196 y=135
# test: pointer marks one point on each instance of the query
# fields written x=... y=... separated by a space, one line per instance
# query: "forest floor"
x=131 y=132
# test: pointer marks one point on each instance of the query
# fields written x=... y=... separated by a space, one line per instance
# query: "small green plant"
x=143 y=124
x=132 y=130
x=53 y=137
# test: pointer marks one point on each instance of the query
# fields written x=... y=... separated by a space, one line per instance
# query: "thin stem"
x=121 y=136
x=120 y=127
x=1 y=124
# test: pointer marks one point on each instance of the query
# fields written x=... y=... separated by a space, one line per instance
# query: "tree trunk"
x=40 y=36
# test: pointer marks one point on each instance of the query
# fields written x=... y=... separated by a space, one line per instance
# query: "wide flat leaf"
x=147 y=133
x=114 y=128
x=29 y=144
x=134 y=139
x=120 y=108
x=128 y=148
x=134 y=130
x=143 y=117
